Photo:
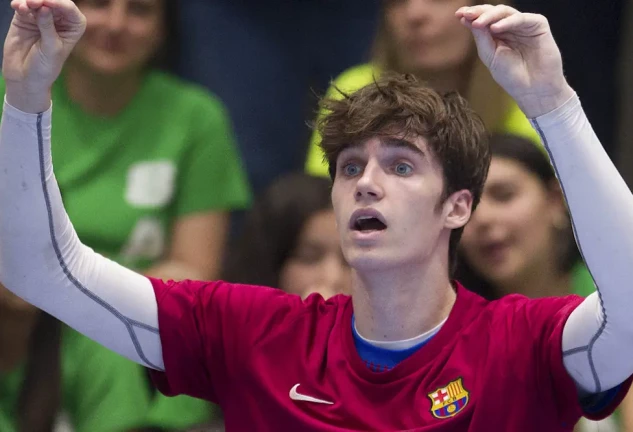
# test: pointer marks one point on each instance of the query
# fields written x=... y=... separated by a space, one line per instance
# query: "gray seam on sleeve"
x=595 y=337
x=129 y=323
x=575 y=350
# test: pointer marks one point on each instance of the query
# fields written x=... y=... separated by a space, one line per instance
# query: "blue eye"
x=403 y=169
x=351 y=170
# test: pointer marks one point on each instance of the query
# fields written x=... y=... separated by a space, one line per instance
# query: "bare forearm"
x=536 y=105
x=25 y=101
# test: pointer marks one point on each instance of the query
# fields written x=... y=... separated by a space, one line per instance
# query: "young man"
x=409 y=350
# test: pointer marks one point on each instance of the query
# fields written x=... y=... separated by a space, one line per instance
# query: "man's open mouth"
x=365 y=220
x=368 y=223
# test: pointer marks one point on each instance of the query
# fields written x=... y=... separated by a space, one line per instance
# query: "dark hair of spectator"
x=272 y=228
x=532 y=158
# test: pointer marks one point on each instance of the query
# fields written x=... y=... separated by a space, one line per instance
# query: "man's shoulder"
x=518 y=313
x=515 y=302
x=241 y=297
x=516 y=319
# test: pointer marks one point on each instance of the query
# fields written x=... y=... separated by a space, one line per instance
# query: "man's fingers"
x=500 y=19
x=521 y=24
x=17 y=4
x=484 y=15
x=486 y=46
x=507 y=24
x=46 y=25
x=472 y=12
x=67 y=8
x=34 y=4
x=20 y=7
x=494 y=15
x=483 y=39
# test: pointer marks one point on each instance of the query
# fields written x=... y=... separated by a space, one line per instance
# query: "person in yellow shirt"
x=423 y=38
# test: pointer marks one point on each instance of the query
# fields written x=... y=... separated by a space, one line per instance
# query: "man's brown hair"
x=399 y=105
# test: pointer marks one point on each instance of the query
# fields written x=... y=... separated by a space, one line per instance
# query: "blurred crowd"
x=183 y=149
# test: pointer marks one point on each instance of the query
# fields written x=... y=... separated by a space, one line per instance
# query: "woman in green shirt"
x=147 y=163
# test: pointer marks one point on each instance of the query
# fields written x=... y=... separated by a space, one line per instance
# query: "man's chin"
x=368 y=261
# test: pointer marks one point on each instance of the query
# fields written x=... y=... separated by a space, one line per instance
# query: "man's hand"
x=41 y=36
x=521 y=54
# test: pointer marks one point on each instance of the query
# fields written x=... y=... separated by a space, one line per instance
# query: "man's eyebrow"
x=389 y=142
x=394 y=142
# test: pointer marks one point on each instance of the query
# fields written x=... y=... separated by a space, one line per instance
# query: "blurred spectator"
x=49 y=371
x=423 y=38
x=263 y=57
x=290 y=241
x=146 y=163
x=166 y=192
x=520 y=239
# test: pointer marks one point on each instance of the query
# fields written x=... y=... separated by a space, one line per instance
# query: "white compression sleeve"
x=598 y=336
x=43 y=261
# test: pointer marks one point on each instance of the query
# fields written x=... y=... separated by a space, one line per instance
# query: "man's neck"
x=100 y=95
x=401 y=303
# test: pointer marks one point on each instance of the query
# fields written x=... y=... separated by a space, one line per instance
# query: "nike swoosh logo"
x=299 y=397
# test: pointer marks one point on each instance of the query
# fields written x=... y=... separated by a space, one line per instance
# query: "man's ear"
x=458 y=208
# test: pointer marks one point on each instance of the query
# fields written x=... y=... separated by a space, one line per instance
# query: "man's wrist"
x=537 y=104
x=32 y=102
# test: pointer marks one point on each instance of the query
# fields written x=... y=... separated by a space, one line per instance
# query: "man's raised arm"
x=523 y=58
x=41 y=257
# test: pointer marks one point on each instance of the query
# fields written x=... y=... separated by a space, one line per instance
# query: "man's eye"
x=403 y=169
x=351 y=170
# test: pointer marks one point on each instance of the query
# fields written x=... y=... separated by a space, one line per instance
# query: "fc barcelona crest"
x=450 y=400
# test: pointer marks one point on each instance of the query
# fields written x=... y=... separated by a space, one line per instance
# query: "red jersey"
x=276 y=363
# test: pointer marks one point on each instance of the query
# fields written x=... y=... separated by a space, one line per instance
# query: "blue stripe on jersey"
x=380 y=359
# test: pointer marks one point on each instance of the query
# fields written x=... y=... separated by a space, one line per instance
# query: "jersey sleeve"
x=213 y=176
x=210 y=328
x=542 y=321
x=105 y=392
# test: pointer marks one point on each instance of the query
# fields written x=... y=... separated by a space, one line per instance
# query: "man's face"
x=387 y=200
